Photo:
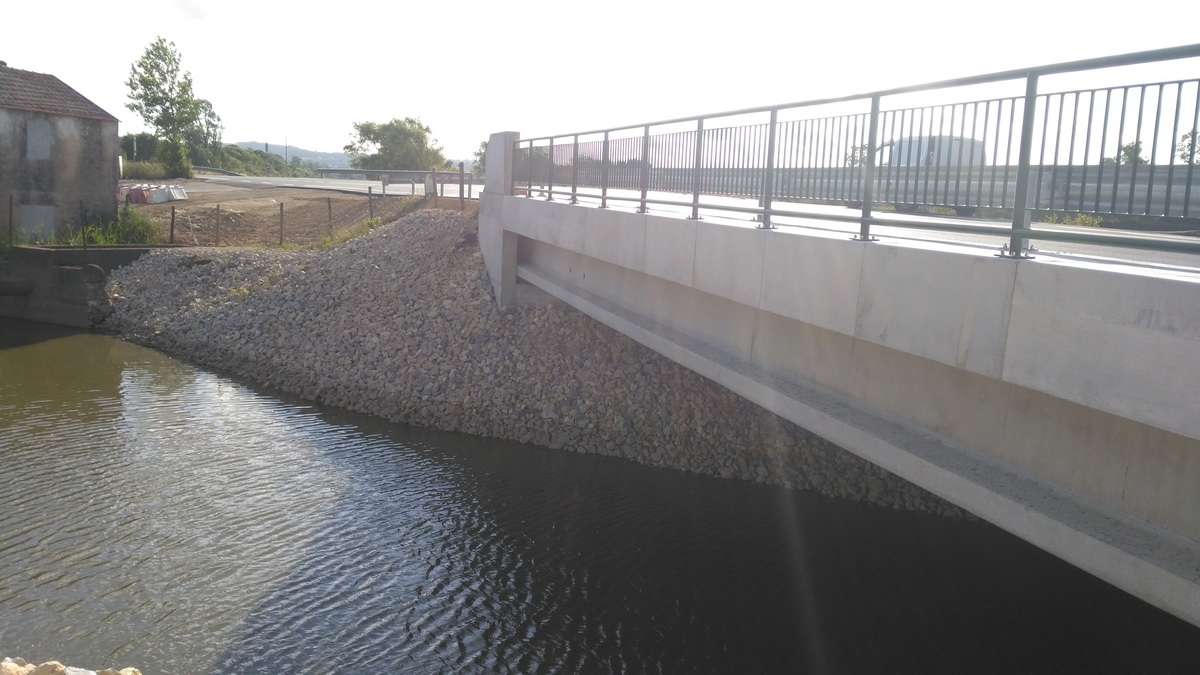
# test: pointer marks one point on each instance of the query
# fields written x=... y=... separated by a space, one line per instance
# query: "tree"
x=1131 y=154
x=480 y=158
x=160 y=91
x=399 y=144
x=856 y=155
x=1188 y=149
x=204 y=137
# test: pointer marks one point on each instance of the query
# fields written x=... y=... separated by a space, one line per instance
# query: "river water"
x=158 y=515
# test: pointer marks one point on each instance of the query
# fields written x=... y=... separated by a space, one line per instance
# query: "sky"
x=304 y=73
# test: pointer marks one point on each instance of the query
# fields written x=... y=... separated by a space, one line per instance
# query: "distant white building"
x=58 y=155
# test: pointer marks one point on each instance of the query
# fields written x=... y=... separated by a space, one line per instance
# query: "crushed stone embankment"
x=401 y=323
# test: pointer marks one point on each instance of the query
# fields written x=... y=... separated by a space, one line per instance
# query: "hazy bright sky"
x=307 y=71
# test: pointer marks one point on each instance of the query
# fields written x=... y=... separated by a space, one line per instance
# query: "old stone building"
x=58 y=155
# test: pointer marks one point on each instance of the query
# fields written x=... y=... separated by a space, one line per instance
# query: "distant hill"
x=333 y=160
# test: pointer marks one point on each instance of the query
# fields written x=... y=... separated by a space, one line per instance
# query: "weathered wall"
x=50 y=164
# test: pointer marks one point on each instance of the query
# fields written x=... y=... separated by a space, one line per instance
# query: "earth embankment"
x=401 y=323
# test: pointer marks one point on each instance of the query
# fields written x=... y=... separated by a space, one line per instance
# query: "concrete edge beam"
x=1151 y=563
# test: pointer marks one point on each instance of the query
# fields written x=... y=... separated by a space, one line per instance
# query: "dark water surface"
x=156 y=515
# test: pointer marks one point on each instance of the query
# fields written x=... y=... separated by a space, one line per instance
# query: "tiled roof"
x=25 y=90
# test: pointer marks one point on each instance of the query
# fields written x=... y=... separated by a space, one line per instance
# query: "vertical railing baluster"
x=1137 y=147
x=1103 y=142
x=1071 y=153
x=1020 y=219
x=1112 y=206
x=1154 y=149
x=1187 y=192
x=1171 y=148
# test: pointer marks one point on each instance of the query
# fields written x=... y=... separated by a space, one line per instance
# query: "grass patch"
x=130 y=227
x=356 y=230
x=144 y=171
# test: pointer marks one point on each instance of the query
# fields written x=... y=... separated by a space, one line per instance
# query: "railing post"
x=529 y=179
x=575 y=170
x=769 y=173
x=864 y=227
x=645 y=169
x=550 y=172
x=696 y=168
x=604 y=174
x=1020 y=221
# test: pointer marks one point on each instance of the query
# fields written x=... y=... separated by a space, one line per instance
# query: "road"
x=1183 y=264
x=336 y=184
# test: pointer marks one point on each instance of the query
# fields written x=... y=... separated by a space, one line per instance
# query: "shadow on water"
x=19 y=333
x=224 y=528
x=452 y=553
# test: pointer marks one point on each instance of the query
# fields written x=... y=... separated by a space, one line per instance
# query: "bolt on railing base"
x=1016 y=254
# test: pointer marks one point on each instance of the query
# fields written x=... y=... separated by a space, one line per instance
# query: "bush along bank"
x=401 y=323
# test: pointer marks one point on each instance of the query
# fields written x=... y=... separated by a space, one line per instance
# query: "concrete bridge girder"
x=1054 y=399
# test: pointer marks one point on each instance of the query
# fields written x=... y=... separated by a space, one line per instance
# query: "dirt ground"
x=250 y=216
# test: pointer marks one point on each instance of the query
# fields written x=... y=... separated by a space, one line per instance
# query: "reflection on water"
x=156 y=515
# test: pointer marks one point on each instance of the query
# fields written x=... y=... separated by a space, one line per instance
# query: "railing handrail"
x=1131 y=58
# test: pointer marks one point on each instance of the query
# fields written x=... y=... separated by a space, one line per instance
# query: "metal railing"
x=1125 y=151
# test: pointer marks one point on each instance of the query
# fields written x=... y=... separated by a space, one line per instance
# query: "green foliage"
x=144 y=171
x=259 y=163
x=857 y=155
x=1131 y=154
x=133 y=227
x=480 y=158
x=398 y=144
x=1080 y=219
x=1188 y=149
x=138 y=147
x=174 y=159
x=160 y=91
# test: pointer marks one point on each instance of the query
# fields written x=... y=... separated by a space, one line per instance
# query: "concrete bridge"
x=1056 y=398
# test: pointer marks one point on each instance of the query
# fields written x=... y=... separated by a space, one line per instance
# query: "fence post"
x=769 y=175
x=329 y=203
x=645 y=169
x=11 y=225
x=281 y=223
x=462 y=179
x=172 y=240
x=864 y=227
x=1020 y=221
x=696 y=167
x=370 y=203
x=218 y=224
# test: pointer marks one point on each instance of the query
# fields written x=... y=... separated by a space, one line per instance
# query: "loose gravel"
x=401 y=323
